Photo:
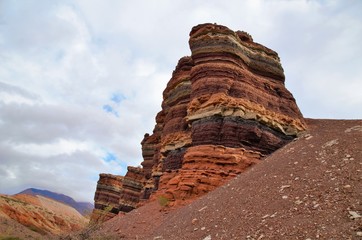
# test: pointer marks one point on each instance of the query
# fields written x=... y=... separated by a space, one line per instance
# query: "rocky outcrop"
x=116 y=194
x=130 y=193
x=224 y=109
x=164 y=149
x=106 y=198
x=233 y=76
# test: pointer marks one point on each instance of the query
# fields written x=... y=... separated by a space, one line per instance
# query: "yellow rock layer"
x=224 y=105
x=175 y=141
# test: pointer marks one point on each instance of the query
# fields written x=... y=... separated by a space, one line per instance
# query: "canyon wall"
x=224 y=109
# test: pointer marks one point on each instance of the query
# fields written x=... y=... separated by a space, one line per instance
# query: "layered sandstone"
x=224 y=109
x=233 y=76
x=115 y=194
x=106 y=198
x=164 y=149
x=130 y=193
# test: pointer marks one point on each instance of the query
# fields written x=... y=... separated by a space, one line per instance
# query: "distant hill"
x=83 y=208
x=24 y=216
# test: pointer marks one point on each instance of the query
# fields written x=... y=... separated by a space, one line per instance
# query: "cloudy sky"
x=81 y=81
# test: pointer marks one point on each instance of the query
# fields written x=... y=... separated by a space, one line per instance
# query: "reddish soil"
x=309 y=189
x=11 y=228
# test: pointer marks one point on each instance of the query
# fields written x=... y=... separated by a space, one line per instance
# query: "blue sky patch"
x=110 y=157
x=118 y=98
x=108 y=108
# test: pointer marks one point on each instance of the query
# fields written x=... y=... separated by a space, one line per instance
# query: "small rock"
x=285 y=197
x=354 y=128
x=347 y=186
x=298 y=202
x=359 y=234
x=207 y=237
x=273 y=215
x=194 y=221
x=283 y=187
x=203 y=228
x=203 y=208
x=308 y=136
x=354 y=215
x=330 y=143
x=260 y=237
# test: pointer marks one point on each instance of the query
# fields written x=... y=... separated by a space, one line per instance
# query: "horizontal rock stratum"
x=224 y=109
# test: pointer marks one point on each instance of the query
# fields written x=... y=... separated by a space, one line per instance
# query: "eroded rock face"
x=239 y=78
x=116 y=194
x=130 y=193
x=164 y=149
x=106 y=198
x=224 y=109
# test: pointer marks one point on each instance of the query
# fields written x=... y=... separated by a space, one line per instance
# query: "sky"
x=81 y=81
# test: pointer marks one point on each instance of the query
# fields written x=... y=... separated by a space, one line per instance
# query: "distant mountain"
x=84 y=208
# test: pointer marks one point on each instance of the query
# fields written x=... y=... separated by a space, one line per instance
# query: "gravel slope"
x=309 y=189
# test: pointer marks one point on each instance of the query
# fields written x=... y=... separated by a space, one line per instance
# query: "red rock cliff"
x=224 y=109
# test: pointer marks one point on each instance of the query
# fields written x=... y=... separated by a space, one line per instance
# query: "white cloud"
x=62 y=146
x=63 y=61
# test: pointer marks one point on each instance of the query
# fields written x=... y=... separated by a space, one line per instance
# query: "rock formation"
x=224 y=109
x=131 y=189
x=106 y=199
x=116 y=194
